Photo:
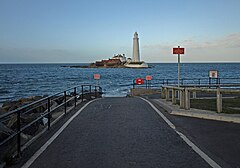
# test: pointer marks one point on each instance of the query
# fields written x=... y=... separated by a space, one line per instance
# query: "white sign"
x=213 y=74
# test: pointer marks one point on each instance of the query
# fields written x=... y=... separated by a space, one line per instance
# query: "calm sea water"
x=23 y=80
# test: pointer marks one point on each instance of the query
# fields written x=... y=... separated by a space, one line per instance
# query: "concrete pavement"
x=197 y=113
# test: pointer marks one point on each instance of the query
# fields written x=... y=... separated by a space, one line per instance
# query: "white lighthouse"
x=136 y=62
x=136 y=54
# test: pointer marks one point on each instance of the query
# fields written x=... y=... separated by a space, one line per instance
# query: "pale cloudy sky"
x=71 y=31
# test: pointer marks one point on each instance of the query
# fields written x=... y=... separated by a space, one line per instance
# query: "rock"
x=7 y=105
x=2 y=164
x=4 y=132
x=32 y=129
x=2 y=111
x=12 y=105
x=25 y=119
x=58 y=99
x=35 y=98
x=12 y=123
x=25 y=137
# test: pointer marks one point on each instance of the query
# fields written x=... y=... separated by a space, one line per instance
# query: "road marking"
x=44 y=147
x=203 y=155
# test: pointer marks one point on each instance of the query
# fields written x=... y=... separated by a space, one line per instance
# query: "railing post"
x=19 y=133
x=49 y=110
x=187 y=99
x=95 y=92
x=163 y=92
x=90 y=91
x=219 y=101
x=181 y=98
x=75 y=97
x=82 y=93
x=194 y=94
x=174 y=96
x=65 y=102
x=167 y=94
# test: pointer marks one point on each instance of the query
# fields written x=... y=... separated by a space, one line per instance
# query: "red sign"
x=178 y=50
x=139 y=81
x=148 y=77
x=97 y=76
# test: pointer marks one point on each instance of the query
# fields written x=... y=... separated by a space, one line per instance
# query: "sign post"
x=178 y=51
x=213 y=74
x=148 y=80
x=97 y=77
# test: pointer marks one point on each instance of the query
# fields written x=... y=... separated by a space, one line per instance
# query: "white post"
x=167 y=94
x=187 y=99
x=219 y=101
x=194 y=94
x=174 y=96
x=182 y=99
x=163 y=93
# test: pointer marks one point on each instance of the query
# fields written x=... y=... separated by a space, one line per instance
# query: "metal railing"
x=156 y=83
x=46 y=107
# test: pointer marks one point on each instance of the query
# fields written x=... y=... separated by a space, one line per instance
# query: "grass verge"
x=229 y=105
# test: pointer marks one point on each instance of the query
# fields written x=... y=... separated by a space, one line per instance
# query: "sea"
x=24 y=80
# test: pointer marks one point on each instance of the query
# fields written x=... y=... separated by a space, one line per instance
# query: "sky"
x=81 y=31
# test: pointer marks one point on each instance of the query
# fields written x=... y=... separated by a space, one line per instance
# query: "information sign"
x=148 y=77
x=213 y=74
x=139 y=81
x=178 y=50
x=96 y=76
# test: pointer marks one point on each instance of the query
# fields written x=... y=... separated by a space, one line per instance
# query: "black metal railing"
x=45 y=108
x=157 y=83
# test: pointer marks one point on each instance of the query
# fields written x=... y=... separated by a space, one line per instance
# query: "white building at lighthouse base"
x=136 y=65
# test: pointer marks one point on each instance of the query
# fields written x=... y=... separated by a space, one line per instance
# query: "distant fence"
x=170 y=94
x=157 y=83
x=33 y=118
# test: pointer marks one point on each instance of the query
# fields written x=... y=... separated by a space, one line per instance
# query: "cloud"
x=226 y=48
x=229 y=41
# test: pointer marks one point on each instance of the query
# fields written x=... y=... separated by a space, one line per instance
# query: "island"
x=120 y=60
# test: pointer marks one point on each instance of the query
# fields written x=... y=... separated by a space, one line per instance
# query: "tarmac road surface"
x=121 y=133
